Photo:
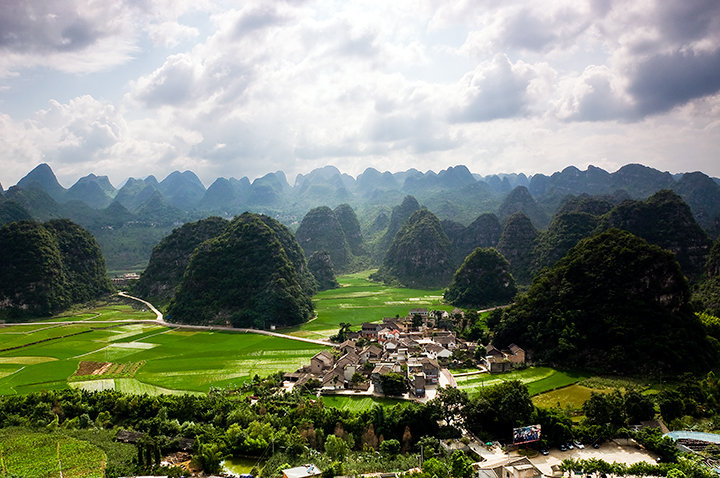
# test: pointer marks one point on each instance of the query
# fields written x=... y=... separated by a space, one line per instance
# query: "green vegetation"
x=361 y=300
x=29 y=453
x=242 y=277
x=144 y=358
x=320 y=230
x=481 y=281
x=420 y=254
x=171 y=256
x=537 y=379
x=516 y=244
x=665 y=220
x=359 y=404
x=321 y=267
x=612 y=299
x=48 y=267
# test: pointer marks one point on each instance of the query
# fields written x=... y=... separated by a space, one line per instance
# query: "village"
x=407 y=357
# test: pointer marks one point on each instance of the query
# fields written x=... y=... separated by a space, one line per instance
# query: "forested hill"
x=45 y=268
x=245 y=276
x=614 y=303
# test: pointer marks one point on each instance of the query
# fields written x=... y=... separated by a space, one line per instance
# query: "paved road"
x=160 y=320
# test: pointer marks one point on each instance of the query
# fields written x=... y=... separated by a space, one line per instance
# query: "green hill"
x=321 y=267
x=47 y=268
x=482 y=280
x=420 y=256
x=614 y=303
x=172 y=255
x=664 y=219
x=320 y=230
x=516 y=245
x=242 y=277
x=564 y=232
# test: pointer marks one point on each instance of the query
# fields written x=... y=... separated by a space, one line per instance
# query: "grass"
x=26 y=453
x=571 y=397
x=361 y=300
x=359 y=404
x=537 y=379
x=173 y=361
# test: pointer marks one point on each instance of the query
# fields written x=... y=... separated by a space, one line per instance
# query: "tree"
x=435 y=467
x=335 y=447
x=450 y=402
x=461 y=465
x=393 y=383
x=390 y=447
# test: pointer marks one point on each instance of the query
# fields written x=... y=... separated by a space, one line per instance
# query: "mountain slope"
x=244 y=278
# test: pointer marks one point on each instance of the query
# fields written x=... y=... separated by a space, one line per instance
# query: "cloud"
x=175 y=83
x=664 y=81
x=170 y=33
x=496 y=89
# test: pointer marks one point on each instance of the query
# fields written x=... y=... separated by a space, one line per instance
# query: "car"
x=596 y=445
x=569 y=446
x=544 y=452
x=578 y=445
x=563 y=448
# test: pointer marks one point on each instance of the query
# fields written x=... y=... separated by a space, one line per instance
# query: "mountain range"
x=143 y=211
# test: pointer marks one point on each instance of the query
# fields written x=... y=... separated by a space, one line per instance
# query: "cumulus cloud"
x=294 y=85
x=495 y=90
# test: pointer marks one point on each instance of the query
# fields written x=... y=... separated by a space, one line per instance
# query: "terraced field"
x=172 y=360
x=361 y=300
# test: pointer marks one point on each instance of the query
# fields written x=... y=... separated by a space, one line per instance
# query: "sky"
x=130 y=88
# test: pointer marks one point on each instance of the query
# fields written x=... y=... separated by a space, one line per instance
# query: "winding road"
x=160 y=320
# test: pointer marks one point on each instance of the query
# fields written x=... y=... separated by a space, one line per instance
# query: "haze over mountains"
x=145 y=210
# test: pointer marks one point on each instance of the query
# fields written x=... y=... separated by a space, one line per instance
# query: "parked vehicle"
x=544 y=452
x=563 y=448
x=578 y=445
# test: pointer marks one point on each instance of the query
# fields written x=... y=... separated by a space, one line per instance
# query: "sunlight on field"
x=26 y=360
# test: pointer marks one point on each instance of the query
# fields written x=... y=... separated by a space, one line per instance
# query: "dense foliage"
x=665 y=220
x=320 y=230
x=482 y=280
x=420 y=255
x=516 y=245
x=484 y=231
x=614 y=303
x=45 y=268
x=321 y=267
x=399 y=215
x=242 y=277
x=520 y=200
x=564 y=232
x=172 y=255
x=351 y=228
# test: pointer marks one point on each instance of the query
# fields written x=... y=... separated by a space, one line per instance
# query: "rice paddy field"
x=538 y=380
x=137 y=358
x=141 y=358
x=361 y=300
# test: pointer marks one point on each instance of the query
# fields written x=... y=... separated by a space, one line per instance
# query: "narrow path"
x=161 y=321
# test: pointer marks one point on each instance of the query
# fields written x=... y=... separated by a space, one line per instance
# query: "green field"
x=173 y=360
x=537 y=379
x=361 y=300
x=571 y=397
x=25 y=453
x=359 y=404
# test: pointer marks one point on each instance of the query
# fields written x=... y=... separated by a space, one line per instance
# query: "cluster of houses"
x=411 y=346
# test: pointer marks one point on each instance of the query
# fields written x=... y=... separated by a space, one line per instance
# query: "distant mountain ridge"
x=454 y=194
